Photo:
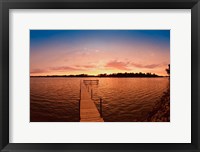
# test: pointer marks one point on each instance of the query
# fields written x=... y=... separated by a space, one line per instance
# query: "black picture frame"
x=5 y=5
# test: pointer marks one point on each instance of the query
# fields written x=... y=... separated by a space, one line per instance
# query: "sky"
x=93 y=52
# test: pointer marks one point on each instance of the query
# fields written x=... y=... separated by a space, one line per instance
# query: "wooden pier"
x=88 y=109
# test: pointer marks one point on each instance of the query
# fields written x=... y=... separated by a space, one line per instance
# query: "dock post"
x=91 y=93
x=80 y=91
x=101 y=107
x=79 y=110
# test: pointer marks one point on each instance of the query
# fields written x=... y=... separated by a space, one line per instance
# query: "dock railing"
x=91 y=82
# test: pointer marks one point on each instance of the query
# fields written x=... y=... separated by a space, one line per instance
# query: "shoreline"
x=161 y=111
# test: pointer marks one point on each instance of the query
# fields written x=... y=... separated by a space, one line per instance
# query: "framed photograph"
x=99 y=75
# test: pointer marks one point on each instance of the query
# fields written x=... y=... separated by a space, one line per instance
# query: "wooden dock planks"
x=88 y=109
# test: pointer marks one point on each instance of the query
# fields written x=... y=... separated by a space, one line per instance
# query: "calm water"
x=124 y=99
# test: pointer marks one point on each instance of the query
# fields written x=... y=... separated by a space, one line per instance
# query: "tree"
x=168 y=69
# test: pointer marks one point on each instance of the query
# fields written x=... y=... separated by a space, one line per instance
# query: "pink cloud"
x=148 y=66
x=86 y=66
x=59 y=68
x=118 y=65
x=89 y=66
x=64 y=68
x=34 y=71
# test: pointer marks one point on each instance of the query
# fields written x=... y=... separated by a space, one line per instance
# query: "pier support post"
x=101 y=107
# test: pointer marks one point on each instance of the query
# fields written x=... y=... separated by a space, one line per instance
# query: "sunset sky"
x=64 y=52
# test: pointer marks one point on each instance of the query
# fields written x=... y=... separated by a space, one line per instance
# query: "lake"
x=124 y=99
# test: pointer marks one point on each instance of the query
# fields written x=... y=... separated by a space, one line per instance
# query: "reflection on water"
x=124 y=99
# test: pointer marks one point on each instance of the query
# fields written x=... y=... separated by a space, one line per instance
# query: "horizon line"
x=125 y=74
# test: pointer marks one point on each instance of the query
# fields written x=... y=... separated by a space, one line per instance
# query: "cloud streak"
x=58 y=69
x=86 y=66
x=64 y=68
x=148 y=66
x=121 y=65
x=38 y=71
x=118 y=65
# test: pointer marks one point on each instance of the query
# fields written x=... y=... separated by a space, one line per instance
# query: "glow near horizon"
x=93 y=52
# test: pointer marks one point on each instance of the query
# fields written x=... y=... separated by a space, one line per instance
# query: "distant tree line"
x=140 y=74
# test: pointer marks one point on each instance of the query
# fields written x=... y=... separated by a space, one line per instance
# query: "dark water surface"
x=124 y=99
